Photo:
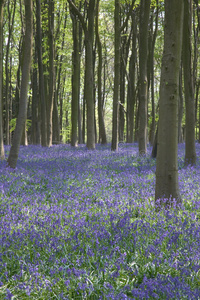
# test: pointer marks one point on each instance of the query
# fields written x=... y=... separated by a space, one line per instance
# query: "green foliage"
x=13 y=124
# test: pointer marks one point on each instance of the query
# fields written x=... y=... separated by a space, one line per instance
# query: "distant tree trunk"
x=124 y=51
x=190 y=151
x=136 y=119
x=34 y=125
x=89 y=92
x=2 y=153
x=88 y=28
x=41 y=76
x=80 y=135
x=167 y=186
x=56 y=123
x=24 y=138
x=115 y=118
x=155 y=144
x=151 y=54
x=102 y=130
x=143 y=84
x=8 y=80
x=15 y=106
x=75 y=81
x=84 y=113
x=131 y=82
x=180 y=109
x=26 y=65
x=50 y=101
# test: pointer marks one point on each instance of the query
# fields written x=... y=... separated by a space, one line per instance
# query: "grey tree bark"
x=102 y=130
x=8 y=105
x=2 y=153
x=131 y=94
x=41 y=76
x=115 y=118
x=88 y=27
x=190 y=150
x=167 y=185
x=152 y=41
x=75 y=81
x=50 y=100
x=89 y=88
x=143 y=81
x=26 y=65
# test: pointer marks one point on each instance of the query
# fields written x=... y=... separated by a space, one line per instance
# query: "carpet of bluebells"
x=80 y=224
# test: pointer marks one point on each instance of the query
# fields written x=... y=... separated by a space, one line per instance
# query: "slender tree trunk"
x=56 y=123
x=2 y=154
x=7 y=94
x=125 y=45
x=89 y=89
x=143 y=81
x=88 y=28
x=84 y=113
x=41 y=76
x=24 y=138
x=80 y=108
x=152 y=47
x=115 y=118
x=58 y=98
x=102 y=130
x=180 y=109
x=50 y=98
x=26 y=65
x=34 y=102
x=167 y=186
x=190 y=151
x=131 y=82
x=75 y=81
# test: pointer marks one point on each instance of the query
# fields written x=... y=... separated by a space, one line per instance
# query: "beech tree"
x=102 y=130
x=115 y=119
x=75 y=67
x=167 y=186
x=190 y=151
x=131 y=93
x=26 y=65
x=51 y=71
x=143 y=80
x=41 y=76
x=75 y=79
x=2 y=154
x=88 y=27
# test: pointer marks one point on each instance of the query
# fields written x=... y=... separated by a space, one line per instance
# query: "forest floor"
x=80 y=224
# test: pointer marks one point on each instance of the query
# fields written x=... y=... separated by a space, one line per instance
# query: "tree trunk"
x=89 y=89
x=102 y=130
x=51 y=84
x=56 y=123
x=153 y=35
x=24 y=138
x=8 y=80
x=115 y=118
x=180 y=109
x=41 y=76
x=143 y=84
x=190 y=151
x=34 y=102
x=26 y=65
x=167 y=186
x=88 y=28
x=2 y=153
x=75 y=81
x=131 y=82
